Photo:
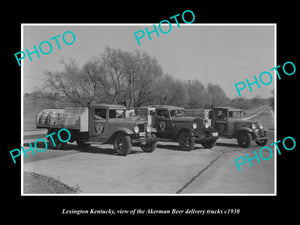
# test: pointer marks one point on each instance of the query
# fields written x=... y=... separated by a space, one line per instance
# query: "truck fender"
x=212 y=129
x=122 y=131
x=153 y=130
x=244 y=129
x=184 y=129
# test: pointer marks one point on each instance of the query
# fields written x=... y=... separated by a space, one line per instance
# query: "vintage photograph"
x=148 y=109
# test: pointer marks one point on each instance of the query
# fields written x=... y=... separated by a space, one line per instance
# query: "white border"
x=151 y=24
x=22 y=113
x=275 y=110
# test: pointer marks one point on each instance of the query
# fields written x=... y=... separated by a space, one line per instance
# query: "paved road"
x=167 y=170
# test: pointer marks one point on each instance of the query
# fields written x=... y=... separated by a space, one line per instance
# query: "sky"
x=211 y=53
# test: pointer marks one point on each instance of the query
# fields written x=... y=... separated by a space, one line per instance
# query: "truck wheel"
x=261 y=142
x=55 y=139
x=150 y=145
x=58 y=143
x=122 y=144
x=209 y=144
x=50 y=143
x=81 y=144
x=61 y=145
x=244 y=139
x=186 y=141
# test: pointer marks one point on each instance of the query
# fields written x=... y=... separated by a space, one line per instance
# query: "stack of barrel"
x=50 y=118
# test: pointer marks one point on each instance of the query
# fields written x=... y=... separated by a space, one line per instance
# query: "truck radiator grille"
x=141 y=127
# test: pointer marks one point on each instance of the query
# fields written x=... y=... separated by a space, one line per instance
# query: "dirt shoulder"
x=38 y=184
x=253 y=111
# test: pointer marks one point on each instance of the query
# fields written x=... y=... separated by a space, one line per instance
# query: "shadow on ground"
x=71 y=147
x=231 y=145
x=176 y=147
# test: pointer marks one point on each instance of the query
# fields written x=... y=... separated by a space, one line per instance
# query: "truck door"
x=98 y=126
x=164 y=124
x=221 y=121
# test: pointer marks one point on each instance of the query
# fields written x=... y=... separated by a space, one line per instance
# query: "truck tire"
x=209 y=144
x=50 y=144
x=122 y=144
x=150 y=145
x=58 y=143
x=55 y=139
x=261 y=142
x=244 y=139
x=61 y=145
x=186 y=141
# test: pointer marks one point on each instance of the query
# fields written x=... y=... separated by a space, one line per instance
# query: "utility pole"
x=189 y=82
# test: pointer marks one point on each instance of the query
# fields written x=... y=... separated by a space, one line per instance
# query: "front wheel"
x=261 y=142
x=150 y=145
x=244 y=139
x=209 y=144
x=186 y=141
x=122 y=144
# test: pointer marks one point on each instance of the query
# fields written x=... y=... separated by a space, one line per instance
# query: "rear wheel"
x=150 y=145
x=122 y=144
x=244 y=139
x=186 y=141
x=57 y=143
x=53 y=140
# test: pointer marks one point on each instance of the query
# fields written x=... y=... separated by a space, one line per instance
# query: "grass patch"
x=39 y=184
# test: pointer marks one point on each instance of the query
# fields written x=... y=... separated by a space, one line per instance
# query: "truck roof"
x=229 y=108
x=108 y=106
x=170 y=107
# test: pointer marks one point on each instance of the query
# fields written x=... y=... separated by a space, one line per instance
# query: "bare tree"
x=147 y=77
x=132 y=76
x=171 y=92
x=84 y=85
x=197 y=95
x=116 y=76
x=216 y=96
x=133 y=79
x=113 y=61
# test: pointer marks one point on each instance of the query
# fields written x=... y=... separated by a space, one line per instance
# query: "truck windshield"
x=100 y=114
x=177 y=113
x=235 y=114
x=222 y=114
x=116 y=113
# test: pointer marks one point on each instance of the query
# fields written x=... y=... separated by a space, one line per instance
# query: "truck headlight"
x=261 y=126
x=253 y=126
x=206 y=125
x=136 y=129
x=148 y=129
x=194 y=125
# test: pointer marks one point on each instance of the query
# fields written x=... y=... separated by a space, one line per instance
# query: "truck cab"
x=230 y=123
x=100 y=124
x=172 y=124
